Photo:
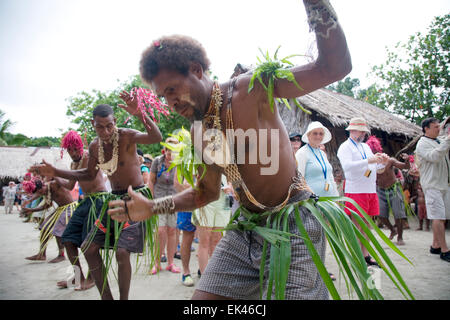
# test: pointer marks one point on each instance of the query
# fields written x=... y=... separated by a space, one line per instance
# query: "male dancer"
x=56 y=222
x=113 y=151
x=389 y=190
x=176 y=67
x=81 y=222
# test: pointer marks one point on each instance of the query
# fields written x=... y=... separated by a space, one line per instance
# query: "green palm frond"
x=343 y=237
x=270 y=70
x=185 y=158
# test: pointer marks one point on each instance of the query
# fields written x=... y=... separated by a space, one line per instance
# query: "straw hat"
x=358 y=124
x=317 y=125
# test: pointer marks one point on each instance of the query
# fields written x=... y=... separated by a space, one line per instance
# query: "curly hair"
x=173 y=53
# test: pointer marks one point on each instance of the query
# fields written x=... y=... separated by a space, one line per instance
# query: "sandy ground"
x=22 y=279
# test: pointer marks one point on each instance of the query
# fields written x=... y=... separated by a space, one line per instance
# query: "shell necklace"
x=111 y=166
x=217 y=150
x=77 y=165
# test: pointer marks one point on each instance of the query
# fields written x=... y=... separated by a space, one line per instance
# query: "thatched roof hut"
x=334 y=111
x=14 y=161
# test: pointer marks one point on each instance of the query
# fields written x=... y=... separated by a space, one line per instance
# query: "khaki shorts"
x=437 y=203
x=167 y=220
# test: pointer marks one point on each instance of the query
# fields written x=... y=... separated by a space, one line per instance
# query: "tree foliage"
x=80 y=109
x=415 y=78
x=5 y=125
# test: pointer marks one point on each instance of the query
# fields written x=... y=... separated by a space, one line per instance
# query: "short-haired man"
x=434 y=167
x=114 y=152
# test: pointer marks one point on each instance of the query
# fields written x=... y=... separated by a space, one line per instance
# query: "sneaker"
x=445 y=256
x=177 y=255
x=163 y=258
x=435 y=250
x=187 y=280
x=199 y=273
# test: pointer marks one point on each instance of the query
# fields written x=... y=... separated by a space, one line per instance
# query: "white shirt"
x=355 y=164
x=433 y=163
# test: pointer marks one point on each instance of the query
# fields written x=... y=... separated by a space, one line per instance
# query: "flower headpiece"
x=72 y=140
x=157 y=44
x=374 y=144
x=29 y=186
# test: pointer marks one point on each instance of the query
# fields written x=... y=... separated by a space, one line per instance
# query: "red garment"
x=367 y=201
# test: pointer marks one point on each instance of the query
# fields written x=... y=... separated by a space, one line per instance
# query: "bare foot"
x=57 y=259
x=393 y=234
x=63 y=284
x=400 y=242
x=85 y=285
x=37 y=257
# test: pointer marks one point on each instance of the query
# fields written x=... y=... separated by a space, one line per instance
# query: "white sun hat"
x=317 y=125
x=358 y=124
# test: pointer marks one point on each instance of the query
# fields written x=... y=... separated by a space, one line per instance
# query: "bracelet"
x=164 y=205
x=316 y=12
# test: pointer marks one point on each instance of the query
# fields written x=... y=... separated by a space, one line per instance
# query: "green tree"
x=5 y=125
x=415 y=78
x=348 y=86
x=42 y=142
x=81 y=106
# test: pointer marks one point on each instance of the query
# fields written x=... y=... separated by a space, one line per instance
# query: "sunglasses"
x=296 y=139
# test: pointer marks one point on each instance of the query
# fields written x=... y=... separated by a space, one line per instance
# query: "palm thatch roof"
x=14 y=161
x=339 y=109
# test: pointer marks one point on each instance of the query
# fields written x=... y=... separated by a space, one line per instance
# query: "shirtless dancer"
x=55 y=223
x=78 y=226
x=389 y=190
x=123 y=168
x=177 y=68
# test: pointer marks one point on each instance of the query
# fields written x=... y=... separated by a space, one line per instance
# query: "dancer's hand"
x=27 y=210
x=139 y=208
x=405 y=157
x=132 y=103
x=43 y=169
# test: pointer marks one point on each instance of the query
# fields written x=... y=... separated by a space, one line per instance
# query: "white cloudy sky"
x=53 y=49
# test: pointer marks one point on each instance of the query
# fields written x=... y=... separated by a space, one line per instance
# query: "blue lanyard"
x=363 y=155
x=163 y=168
x=322 y=163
